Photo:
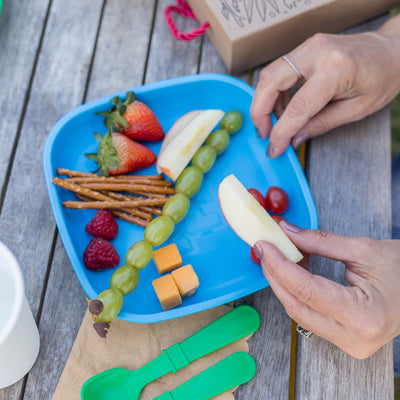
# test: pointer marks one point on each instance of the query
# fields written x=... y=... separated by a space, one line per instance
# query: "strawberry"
x=134 y=119
x=100 y=254
x=117 y=154
x=103 y=224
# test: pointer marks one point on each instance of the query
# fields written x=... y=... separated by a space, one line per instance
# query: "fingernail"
x=270 y=151
x=299 y=139
x=258 y=249
x=259 y=133
x=290 y=227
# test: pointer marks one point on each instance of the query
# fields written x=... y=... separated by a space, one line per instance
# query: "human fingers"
x=316 y=292
x=327 y=244
x=333 y=115
x=308 y=101
x=300 y=312
x=275 y=78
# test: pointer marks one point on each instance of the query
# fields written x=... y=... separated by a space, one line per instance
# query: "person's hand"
x=359 y=318
x=346 y=78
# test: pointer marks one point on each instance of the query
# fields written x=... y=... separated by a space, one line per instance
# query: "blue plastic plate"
x=204 y=239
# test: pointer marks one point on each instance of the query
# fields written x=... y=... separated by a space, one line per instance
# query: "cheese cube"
x=167 y=258
x=186 y=280
x=167 y=292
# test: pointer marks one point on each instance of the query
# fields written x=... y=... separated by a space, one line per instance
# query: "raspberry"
x=103 y=224
x=100 y=254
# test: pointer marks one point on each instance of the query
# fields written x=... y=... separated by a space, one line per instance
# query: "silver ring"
x=304 y=332
x=299 y=75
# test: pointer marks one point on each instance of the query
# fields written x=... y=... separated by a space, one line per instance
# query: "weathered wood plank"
x=358 y=156
x=122 y=47
x=26 y=223
x=168 y=57
x=17 y=58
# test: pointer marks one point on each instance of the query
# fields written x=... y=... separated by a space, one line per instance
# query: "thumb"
x=325 y=244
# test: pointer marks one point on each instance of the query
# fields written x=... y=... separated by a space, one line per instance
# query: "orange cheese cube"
x=186 y=280
x=167 y=258
x=167 y=292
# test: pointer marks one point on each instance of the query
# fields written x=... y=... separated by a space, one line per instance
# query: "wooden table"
x=55 y=55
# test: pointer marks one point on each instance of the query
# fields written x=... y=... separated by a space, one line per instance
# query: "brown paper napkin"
x=131 y=345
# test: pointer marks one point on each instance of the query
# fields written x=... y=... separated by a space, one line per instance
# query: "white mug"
x=19 y=335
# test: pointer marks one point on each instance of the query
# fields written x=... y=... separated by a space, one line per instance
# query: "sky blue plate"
x=204 y=239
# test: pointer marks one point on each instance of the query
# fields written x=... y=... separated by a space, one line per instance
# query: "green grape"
x=232 y=121
x=204 y=158
x=112 y=300
x=125 y=279
x=219 y=140
x=176 y=207
x=139 y=255
x=189 y=181
x=159 y=230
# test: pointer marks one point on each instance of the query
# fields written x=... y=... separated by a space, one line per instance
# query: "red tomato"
x=254 y=256
x=259 y=197
x=277 y=200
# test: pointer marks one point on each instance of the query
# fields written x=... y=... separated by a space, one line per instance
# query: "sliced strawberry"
x=117 y=154
x=134 y=119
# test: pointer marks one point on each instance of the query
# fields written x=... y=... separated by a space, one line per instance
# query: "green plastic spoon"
x=124 y=384
x=232 y=371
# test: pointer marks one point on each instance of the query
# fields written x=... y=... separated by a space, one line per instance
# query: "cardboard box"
x=247 y=33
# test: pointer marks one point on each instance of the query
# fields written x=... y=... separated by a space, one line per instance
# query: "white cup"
x=19 y=335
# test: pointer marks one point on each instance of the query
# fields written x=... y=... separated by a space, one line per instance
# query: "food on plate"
x=139 y=254
x=277 y=200
x=141 y=199
x=125 y=279
x=103 y=224
x=258 y=196
x=105 y=308
x=189 y=181
x=177 y=207
x=250 y=220
x=167 y=258
x=232 y=121
x=254 y=257
x=167 y=292
x=178 y=125
x=204 y=158
x=134 y=119
x=219 y=140
x=186 y=280
x=100 y=254
x=159 y=230
x=178 y=152
x=117 y=154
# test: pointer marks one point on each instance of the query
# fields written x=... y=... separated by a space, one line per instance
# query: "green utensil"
x=232 y=371
x=124 y=384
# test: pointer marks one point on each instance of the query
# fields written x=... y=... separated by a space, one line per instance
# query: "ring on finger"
x=307 y=334
x=299 y=75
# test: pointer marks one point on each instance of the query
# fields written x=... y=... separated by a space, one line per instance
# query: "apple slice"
x=249 y=219
x=178 y=152
x=178 y=125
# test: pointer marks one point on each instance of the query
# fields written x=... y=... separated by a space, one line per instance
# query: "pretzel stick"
x=131 y=188
x=71 y=173
x=130 y=218
x=120 y=196
x=120 y=180
x=109 y=204
x=150 y=195
x=134 y=211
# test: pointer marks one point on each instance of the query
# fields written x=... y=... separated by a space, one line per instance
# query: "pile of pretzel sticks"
x=133 y=198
